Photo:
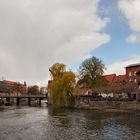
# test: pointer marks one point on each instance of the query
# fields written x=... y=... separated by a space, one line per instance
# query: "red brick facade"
x=129 y=81
x=131 y=73
x=12 y=87
x=138 y=85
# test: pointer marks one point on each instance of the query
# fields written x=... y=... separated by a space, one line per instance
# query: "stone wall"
x=88 y=103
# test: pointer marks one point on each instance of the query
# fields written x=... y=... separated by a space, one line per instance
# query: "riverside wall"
x=83 y=102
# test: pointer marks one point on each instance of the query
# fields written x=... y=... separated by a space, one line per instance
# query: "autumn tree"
x=91 y=74
x=62 y=85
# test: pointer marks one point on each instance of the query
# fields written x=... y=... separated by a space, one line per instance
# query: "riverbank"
x=115 y=106
x=88 y=103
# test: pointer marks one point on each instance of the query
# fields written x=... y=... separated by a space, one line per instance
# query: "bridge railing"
x=23 y=96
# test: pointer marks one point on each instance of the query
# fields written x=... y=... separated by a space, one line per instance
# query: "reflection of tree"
x=89 y=124
x=61 y=116
x=95 y=120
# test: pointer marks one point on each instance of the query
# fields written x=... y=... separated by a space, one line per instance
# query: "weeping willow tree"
x=62 y=85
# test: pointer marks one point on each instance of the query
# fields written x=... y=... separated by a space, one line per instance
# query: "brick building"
x=138 y=85
x=127 y=83
x=11 y=87
x=110 y=78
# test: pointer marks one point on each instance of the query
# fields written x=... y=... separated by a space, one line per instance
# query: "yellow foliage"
x=62 y=86
x=57 y=70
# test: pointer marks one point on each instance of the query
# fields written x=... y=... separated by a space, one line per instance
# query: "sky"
x=34 y=34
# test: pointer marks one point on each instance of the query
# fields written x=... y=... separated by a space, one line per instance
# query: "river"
x=42 y=123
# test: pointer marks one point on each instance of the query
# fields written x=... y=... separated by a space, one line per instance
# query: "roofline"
x=133 y=65
x=110 y=74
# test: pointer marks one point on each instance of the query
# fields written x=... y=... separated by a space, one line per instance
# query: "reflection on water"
x=32 y=123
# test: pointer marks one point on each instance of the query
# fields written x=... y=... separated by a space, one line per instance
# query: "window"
x=135 y=73
x=130 y=74
x=135 y=80
x=130 y=80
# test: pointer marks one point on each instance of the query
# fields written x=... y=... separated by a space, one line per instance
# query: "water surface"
x=34 y=123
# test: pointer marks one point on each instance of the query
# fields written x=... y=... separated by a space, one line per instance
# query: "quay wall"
x=90 y=103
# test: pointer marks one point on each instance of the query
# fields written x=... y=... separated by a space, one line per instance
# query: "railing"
x=104 y=98
x=29 y=97
x=23 y=96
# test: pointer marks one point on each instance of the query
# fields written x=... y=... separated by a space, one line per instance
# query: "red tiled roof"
x=120 y=78
x=110 y=77
x=10 y=82
x=114 y=80
x=119 y=81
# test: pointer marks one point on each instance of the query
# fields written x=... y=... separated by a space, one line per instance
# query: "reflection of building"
x=126 y=83
x=12 y=87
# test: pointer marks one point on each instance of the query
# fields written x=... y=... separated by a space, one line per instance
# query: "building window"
x=130 y=80
x=130 y=74
x=135 y=80
x=135 y=73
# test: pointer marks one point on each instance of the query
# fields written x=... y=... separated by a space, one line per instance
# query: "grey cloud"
x=37 y=33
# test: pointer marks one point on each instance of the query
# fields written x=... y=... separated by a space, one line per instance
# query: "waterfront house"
x=127 y=84
x=8 y=87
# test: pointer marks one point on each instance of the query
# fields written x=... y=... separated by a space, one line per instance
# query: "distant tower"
x=25 y=88
x=25 y=83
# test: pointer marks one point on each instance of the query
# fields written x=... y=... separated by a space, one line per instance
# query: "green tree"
x=33 y=90
x=62 y=86
x=91 y=74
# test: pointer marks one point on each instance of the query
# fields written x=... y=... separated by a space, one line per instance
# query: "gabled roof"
x=110 y=77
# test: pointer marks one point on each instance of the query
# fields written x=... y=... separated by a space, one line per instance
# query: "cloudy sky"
x=34 y=34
